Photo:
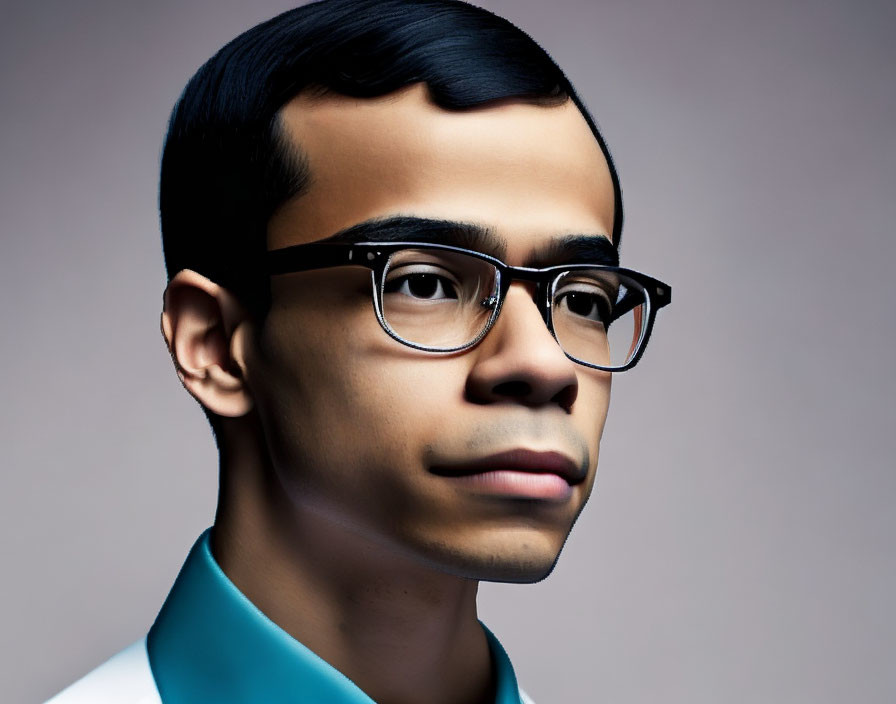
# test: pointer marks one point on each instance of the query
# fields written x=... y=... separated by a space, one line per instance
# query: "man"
x=391 y=232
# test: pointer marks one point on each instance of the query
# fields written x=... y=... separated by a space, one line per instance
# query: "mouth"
x=518 y=472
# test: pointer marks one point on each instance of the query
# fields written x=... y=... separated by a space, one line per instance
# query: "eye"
x=584 y=301
x=424 y=285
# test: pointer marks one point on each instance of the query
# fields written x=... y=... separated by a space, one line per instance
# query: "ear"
x=203 y=326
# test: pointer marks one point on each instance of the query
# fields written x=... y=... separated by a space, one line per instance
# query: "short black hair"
x=226 y=164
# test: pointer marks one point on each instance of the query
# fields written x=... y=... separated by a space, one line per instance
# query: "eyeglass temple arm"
x=303 y=257
x=659 y=295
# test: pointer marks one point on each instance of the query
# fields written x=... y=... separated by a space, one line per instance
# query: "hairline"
x=289 y=154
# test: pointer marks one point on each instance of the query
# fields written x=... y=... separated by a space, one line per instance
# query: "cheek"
x=346 y=393
x=592 y=404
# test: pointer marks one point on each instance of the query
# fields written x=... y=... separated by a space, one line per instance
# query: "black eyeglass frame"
x=375 y=256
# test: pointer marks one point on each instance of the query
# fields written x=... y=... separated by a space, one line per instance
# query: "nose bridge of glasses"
x=535 y=288
x=536 y=283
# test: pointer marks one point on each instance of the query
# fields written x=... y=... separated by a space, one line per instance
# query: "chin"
x=520 y=573
x=519 y=564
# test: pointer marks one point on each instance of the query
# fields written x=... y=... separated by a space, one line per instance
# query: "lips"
x=517 y=460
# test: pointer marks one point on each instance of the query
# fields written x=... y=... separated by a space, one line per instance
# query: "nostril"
x=513 y=389
x=524 y=391
x=566 y=397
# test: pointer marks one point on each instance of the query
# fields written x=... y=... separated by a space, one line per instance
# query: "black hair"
x=227 y=165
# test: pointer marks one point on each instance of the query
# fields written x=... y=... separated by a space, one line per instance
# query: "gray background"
x=739 y=546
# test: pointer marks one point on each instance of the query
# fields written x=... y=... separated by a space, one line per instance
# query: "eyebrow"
x=565 y=249
x=575 y=249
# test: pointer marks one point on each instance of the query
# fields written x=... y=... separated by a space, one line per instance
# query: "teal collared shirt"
x=211 y=645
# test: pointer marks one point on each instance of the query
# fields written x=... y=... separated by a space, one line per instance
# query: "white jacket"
x=125 y=678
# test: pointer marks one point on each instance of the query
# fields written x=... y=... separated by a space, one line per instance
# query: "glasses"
x=440 y=298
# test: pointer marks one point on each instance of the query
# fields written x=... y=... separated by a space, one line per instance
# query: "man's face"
x=362 y=428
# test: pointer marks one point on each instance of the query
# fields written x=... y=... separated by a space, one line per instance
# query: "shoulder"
x=524 y=698
x=124 y=678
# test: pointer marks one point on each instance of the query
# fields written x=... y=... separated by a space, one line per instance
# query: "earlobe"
x=200 y=322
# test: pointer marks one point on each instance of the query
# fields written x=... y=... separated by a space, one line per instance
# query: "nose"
x=520 y=361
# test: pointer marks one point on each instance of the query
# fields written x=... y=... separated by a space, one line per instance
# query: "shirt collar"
x=211 y=644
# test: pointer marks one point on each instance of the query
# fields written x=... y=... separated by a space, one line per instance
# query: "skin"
x=329 y=517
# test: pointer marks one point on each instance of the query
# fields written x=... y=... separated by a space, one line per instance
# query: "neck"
x=400 y=630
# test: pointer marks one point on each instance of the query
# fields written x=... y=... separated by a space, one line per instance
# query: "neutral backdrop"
x=740 y=543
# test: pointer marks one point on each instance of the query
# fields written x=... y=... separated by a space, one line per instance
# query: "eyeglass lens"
x=599 y=316
x=444 y=300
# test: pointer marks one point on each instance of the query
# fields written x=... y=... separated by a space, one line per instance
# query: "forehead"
x=529 y=172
